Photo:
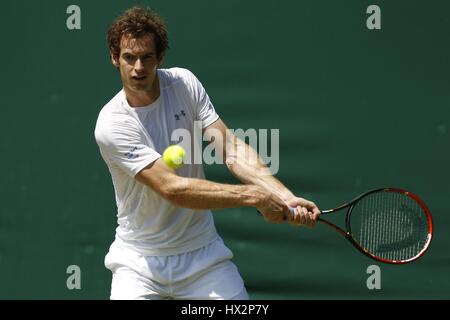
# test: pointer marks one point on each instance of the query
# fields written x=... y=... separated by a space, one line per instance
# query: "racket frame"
x=348 y=232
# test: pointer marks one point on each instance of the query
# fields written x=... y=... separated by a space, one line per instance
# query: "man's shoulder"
x=176 y=72
x=113 y=108
x=176 y=75
x=112 y=114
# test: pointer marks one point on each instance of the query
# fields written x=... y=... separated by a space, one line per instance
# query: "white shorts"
x=205 y=273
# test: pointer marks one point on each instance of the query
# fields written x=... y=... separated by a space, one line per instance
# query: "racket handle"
x=292 y=210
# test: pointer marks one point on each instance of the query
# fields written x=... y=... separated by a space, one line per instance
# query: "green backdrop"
x=356 y=109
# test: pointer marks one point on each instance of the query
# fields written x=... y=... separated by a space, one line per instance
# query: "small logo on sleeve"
x=130 y=155
x=178 y=116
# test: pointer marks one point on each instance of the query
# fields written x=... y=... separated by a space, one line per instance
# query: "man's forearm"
x=203 y=194
x=246 y=165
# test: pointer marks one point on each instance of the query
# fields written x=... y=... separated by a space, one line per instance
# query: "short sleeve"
x=203 y=106
x=123 y=144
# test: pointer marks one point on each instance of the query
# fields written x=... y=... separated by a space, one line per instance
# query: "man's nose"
x=139 y=66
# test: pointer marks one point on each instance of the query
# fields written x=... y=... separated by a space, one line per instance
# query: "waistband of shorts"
x=146 y=249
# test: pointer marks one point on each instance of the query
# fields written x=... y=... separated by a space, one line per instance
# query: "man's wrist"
x=253 y=195
x=287 y=196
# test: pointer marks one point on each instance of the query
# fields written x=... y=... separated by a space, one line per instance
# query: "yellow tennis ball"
x=173 y=156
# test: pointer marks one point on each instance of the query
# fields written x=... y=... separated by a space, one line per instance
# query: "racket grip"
x=292 y=211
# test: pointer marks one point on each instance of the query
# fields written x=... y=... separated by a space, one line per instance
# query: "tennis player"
x=166 y=245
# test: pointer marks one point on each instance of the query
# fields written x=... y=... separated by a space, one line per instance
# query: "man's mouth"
x=139 y=78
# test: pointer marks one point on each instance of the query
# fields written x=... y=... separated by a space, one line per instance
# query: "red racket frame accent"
x=347 y=234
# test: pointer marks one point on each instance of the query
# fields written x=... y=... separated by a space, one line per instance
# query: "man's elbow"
x=169 y=186
x=173 y=191
x=231 y=161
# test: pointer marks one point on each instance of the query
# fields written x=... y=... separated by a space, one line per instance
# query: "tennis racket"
x=388 y=225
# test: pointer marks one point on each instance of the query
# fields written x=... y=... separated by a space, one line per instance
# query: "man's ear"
x=115 y=60
x=160 y=60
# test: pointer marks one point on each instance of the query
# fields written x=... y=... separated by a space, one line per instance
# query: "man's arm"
x=203 y=194
x=246 y=165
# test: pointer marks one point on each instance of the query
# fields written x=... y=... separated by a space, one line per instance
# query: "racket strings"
x=390 y=225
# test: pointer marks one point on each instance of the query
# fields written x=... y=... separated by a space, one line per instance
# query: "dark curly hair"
x=137 y=22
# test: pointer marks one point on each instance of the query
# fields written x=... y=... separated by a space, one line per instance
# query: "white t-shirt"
x=132 y=138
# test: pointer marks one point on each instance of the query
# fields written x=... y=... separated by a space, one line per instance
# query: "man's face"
x=137 y=62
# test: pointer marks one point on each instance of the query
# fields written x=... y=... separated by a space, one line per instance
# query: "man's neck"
x=138 y=99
